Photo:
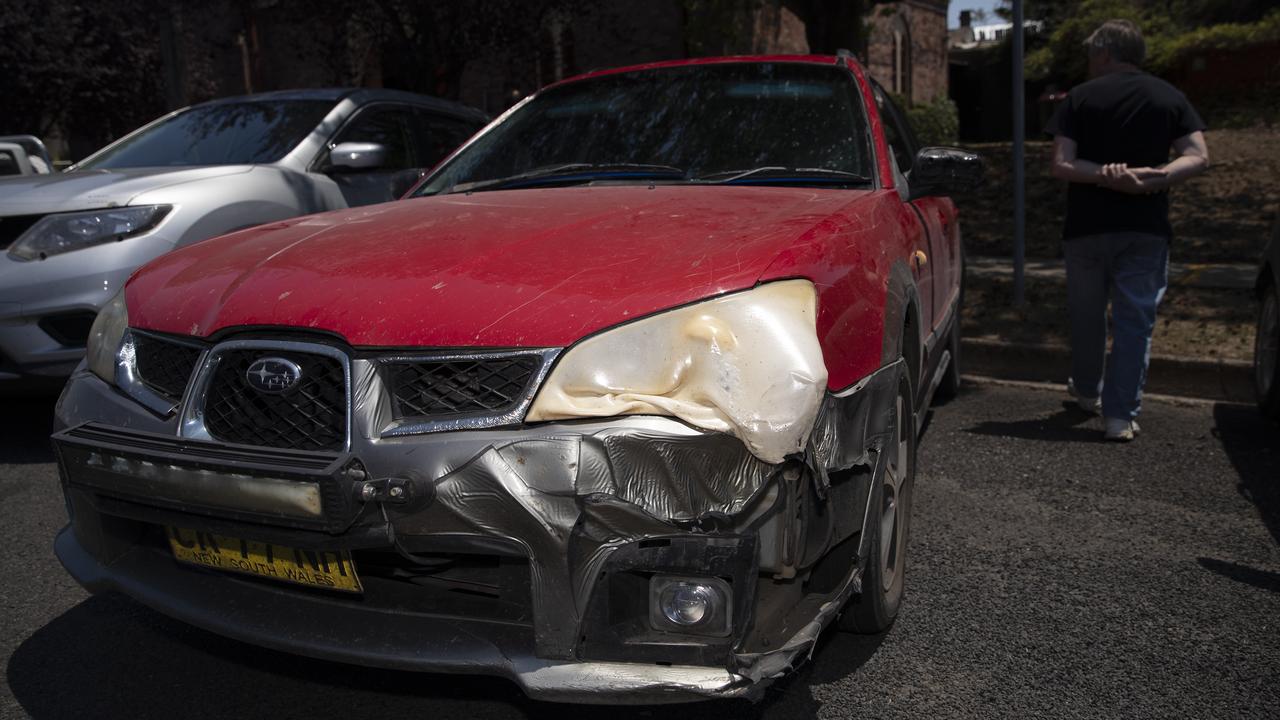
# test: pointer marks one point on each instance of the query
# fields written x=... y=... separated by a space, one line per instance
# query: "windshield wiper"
x=572 y=172
x=778 y=173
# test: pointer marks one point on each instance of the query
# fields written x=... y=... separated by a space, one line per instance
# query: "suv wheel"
x=875 y=609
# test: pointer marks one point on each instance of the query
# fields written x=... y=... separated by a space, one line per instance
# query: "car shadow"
x=112 y=657
x=1070 y=424
x=1252 y=444
x=1263 y=579
x=25 y=426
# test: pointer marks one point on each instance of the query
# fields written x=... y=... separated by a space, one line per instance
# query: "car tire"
x=875 y=608
x=1266 y=351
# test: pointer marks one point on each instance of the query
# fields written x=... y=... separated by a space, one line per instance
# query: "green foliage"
x=1167 y=52
x=935 y=123
x=1174 y=30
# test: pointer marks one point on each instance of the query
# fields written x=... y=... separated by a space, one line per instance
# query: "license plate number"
x=329 y=570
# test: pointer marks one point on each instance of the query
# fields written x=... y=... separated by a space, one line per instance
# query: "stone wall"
x=914 y=32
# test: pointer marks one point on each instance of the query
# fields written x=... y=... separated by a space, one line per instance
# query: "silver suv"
x=68 y=241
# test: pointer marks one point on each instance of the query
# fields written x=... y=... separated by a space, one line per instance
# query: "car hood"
x=525 y=268
x=92 y=189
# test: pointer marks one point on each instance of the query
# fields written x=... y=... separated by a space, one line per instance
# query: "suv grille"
x=312 y=415
x=455 y=387
x=165 y=366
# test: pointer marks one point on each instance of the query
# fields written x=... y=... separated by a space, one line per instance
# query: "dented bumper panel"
x=595 y=507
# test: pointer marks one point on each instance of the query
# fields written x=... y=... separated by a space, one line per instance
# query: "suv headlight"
x=63 y=232
x=748 y=363
x=105 y=338
x=111 y=355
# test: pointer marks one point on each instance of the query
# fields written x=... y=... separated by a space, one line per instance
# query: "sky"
x=953 y=15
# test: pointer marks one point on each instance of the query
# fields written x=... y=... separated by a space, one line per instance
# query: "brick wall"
x=922 y=50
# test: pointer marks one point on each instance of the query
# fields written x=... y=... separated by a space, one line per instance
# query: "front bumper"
x=314 y=626
x=593 y=508
x=45 y=305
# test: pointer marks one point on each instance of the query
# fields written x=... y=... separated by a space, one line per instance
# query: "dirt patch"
x=1224 y=215
x=1192 y=322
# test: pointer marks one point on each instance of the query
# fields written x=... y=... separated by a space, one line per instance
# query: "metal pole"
x=1019 y=171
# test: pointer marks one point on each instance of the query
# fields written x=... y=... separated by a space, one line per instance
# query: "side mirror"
x=945 y=171
x=358 y=156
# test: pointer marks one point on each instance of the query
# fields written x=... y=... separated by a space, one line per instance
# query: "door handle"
x=920 y=258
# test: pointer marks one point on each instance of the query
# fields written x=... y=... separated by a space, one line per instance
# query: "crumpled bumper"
x=594 y=508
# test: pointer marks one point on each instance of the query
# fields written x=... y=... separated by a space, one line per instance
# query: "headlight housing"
x=105 y=338
x=748 y=363
x=111 y=356
x=63 y=232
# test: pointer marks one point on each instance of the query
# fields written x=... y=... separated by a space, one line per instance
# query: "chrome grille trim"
x=193 y=424
x=512 y=415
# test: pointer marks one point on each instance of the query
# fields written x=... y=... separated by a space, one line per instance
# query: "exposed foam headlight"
x=747 y=363
x=63 y=232
x=690 y=605
x=105 y=338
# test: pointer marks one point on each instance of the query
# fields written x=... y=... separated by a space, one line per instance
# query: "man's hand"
x=1134 y=181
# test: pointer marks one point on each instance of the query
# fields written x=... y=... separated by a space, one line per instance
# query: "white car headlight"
x=105 y=338
x=63 y=232
x=748 y=363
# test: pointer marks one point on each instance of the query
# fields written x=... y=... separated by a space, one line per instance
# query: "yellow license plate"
x=331 y=570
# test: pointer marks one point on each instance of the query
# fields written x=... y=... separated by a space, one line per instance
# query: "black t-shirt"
x=1122 y=117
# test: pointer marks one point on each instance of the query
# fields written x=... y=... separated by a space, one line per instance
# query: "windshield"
x=222 y=134
x=785 y=121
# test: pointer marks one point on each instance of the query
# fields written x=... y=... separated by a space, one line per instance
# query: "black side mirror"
x=945 y=171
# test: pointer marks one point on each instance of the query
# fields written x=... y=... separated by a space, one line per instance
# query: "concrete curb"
x=1207 y=378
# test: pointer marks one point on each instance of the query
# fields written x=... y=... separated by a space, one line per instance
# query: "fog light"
x=692 y=605
x=686 y=603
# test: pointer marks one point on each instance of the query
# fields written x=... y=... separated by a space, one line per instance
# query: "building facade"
x=906 y=48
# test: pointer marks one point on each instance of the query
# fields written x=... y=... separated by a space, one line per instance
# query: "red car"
x=621 y=402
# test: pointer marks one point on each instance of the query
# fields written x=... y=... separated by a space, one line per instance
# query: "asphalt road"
x=1050 y=575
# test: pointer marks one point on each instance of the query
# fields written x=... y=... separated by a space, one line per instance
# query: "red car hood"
x=516 y=268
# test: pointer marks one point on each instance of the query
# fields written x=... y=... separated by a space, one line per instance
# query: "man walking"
x=1112 y=137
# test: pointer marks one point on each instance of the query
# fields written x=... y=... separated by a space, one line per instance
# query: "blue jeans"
x=1132 y=271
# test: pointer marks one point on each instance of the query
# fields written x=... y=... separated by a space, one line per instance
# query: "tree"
x=93 y=69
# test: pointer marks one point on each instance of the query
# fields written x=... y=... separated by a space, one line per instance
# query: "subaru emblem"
x=273 y=375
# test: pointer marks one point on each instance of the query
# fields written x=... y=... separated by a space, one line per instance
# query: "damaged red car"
x=620 y=403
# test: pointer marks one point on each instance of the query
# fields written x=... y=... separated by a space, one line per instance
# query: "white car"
x=69 y=240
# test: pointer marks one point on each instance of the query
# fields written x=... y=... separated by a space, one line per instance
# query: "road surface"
x=1050 y=575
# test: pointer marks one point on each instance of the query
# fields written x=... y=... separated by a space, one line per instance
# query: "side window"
x=437 y=135
x=896 y=130
x=388 y=125
x=9 y=163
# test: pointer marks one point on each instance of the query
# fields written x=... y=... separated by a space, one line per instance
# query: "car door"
x=935 y=261
x=437 y=134
x=392 y=126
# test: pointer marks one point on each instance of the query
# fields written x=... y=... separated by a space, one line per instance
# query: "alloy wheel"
x=892 y=521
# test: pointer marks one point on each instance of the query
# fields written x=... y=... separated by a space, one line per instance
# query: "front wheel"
x=874 y=610
x=1266 y=348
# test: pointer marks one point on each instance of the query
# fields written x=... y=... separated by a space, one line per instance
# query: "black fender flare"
x=902 y=301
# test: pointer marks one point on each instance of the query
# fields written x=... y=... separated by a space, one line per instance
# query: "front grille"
x=12 y=227
x=478 y=587
x=165 y=366
x=68 y=329
x=312 y=415
x=457 y=387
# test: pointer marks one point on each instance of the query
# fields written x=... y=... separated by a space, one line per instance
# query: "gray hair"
x=1121 y=38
